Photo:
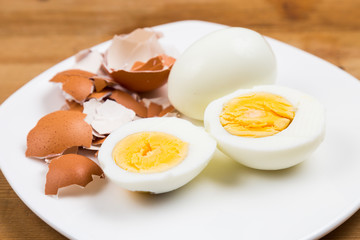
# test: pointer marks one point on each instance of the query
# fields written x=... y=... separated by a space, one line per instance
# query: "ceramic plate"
x=227 y=200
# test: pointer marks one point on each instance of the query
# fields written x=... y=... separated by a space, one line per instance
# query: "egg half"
x=156 y=154
x=215 y=65
x=267 y=127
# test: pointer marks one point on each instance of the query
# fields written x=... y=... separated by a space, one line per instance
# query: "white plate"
x=226 y=201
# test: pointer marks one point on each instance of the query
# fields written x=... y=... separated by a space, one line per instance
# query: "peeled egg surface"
x=215 y=65
x=200 y=147
x=284 y=149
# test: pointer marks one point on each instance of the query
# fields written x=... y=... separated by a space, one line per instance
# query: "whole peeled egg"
x=156 y=155
x=215 y=65
x=266 y=127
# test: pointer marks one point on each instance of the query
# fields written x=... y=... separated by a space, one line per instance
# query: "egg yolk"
x=149 y=152
x=256 y=115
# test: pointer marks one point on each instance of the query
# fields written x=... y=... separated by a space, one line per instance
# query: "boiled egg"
x=156 y=154
x=215 y=65
x=266 y=127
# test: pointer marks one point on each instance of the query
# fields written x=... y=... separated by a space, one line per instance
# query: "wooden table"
x=36 y=34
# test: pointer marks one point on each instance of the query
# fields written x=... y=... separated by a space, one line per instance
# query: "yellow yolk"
x=257 y=114
x=149 y=152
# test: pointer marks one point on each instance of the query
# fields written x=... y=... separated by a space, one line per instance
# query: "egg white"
x=200 y=151
x=282 y=150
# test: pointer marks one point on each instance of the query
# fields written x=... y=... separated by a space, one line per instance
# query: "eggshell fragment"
x=159 y=107
x=56 y=132
x=152 y=64
x=128 y=101
x=72 y=150
x=109 y=81
x=146 y=77
x=99 y=83
x=90 y=109
x=167 y=61
x=73 y=106
x=163 y=101
x=154 y=110
x=166 y=111
x=99 y=95
x=125 y=50
x=137 y=61
x=62 y=77
x=98 y=141
x=89 y=60
x=70 y=169
x=96 y=144
x=98 y=135
x=108 y=116
x=78 y=87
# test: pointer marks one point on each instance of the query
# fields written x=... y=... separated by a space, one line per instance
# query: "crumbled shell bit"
x=70 y=169
x=128 y=101
x=99 y=95
x=108 y=116
x=78 y=87
x=154 y=110
x=63 y=76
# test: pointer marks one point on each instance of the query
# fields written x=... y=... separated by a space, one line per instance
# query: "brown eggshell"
x=167 y=60
x=154 y=64
x=74 y=106
x=154 y=110
x=98 y=141
x=128 y=101
x=147 y=77
x=78 y=87
x=99 y=83
x=100 y=95
x=72 y=150
x=109 y=81
x=56 y=132
x=63 y=76
x=70 y=169
x=166 y=110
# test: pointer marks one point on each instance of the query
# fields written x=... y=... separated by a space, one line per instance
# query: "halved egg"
x=156 y=154
x=266 y=127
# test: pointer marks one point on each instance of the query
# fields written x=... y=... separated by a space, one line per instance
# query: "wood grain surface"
x=36 y=34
